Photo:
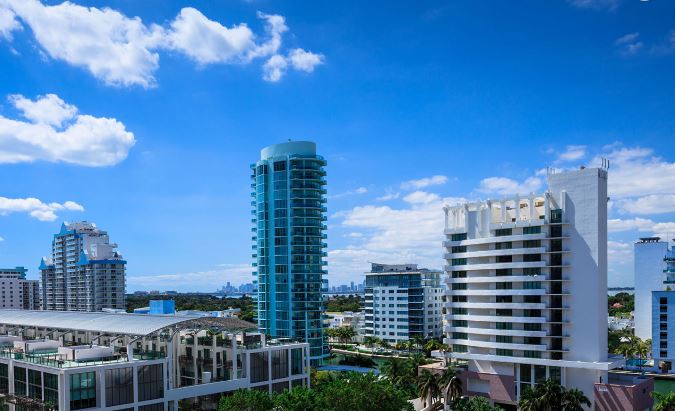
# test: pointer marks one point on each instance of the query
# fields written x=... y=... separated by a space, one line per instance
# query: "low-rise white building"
x=403 y=302
x=107 y=361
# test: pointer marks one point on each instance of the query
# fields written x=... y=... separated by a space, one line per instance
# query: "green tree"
x=474 y=404
x=346 y=334
x=397 y=371
x=370 y=341
x=433 y=345
x=246 y=400
x=297 y=399
x=574 y=400
x=664 y=401
x=428 y=387
x=362 y=392
x=451 y=385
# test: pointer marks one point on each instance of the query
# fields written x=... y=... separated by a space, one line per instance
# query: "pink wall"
x=502 y=387
x=612 y=397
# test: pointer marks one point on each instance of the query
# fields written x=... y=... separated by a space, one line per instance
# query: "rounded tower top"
x=304 y=148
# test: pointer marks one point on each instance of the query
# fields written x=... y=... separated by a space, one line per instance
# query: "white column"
x=503 y=205
x=100 y=387
x=547 y=206
x=445 y=209
x=130 y=352
x=531 y=206
x=234 y=357
x=517 y=208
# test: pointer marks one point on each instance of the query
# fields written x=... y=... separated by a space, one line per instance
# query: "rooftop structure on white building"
x=403 y=302
x=527 y=287
x=84 y=271
x=18 y=292
x=108 y=361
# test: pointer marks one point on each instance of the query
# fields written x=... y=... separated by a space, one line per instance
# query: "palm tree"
x=345 y=334
x=401 y=345
x=396 y=370
x=384 y=344
x=451 y=386
x=664 y=401
x=642 y=349
x=370 y=341
x=574 y=400
x=429 y=390
x=529 y=400
x=415 y=360
x=432 y=345
x=418 y=341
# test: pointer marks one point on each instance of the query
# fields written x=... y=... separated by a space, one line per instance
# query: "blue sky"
x=143 y=117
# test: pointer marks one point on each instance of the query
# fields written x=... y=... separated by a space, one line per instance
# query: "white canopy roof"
x=102 y=322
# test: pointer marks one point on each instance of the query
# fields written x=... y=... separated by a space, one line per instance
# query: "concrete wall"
x=613 y=397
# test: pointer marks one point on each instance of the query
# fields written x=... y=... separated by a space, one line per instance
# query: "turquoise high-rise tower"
x=289 y=241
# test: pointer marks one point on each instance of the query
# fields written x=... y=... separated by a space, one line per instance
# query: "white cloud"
x=48 y=109
x=358 y=191
x=629 y=44
x=619 y=252
x=8 y=23
x=572 y=153
x=305 y=60
x=664 y=230
x=595 y=4
x=615 y=225
x=123 y=51
x=36 y=208
x=389 y=196
x=204 y=281
x=412 y=234
x=424 y=182
x=274 y=68
x=421 y=197
x=1 y=239
x=84 y=140
x=507 y=186
x=650 y=204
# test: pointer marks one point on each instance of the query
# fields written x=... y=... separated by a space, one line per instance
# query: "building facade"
x=18 y=292
x=288 y=200
x=527 y=288
x=663 y=314
x=649 y=256
x=403 y=302
x=84 y=271
x=121 y=362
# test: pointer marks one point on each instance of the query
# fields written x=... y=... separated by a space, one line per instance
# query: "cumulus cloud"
x=305 y=60
x=53 y=131
x=358 y=191
x=8 y=23
x=389 y=196
x=124 y=51
x=424 y=182
x=615 y=225
x=650 y=204
x=629 y=44
x=410 y=234
x=36 y=208
x=572 y=153
x=506 y=186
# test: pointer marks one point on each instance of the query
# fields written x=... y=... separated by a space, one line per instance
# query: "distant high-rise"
x=84 y=272
x=288 y=191
x=16 y=291
x=649 y=255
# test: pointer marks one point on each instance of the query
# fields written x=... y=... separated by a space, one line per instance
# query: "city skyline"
x=414 y=127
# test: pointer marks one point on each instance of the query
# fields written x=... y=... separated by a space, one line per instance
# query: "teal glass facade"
x=288 y=200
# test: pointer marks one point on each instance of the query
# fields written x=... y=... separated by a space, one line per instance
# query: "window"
x=150 y=382
x=504 y=258
x=259 y=371
x=531 y=243
x=663 y=300
x=531 y=257
x=503 y=246
x=35 y=384
x=504 y=312
x=531 y=354
x=501 y=272
x=280 y=166
x=504 y=352
x=531 y=271
x=459 y=311
x=459 y=348
x=458 y=261
x=532 y=230
x=459 y=323
x=459 y=249
x=459 y=336
x=19 y=381
x=51 y=388
x=459 y=286
x=539 y=373
x=556 y=216
x=459 y=274
x=531 y=285
x=119 y=387
x=503 y=299
x=152 y=407
x=504 y=286
x=4 y=378
x=459 y=298
x=82 y=390
x=500 y=232
x=555 y=374
x=458 y=237
x=505 y=339
x=504 y=326
x=279 y=364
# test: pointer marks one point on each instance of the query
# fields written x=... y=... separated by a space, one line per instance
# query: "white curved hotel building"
x=527 y=287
